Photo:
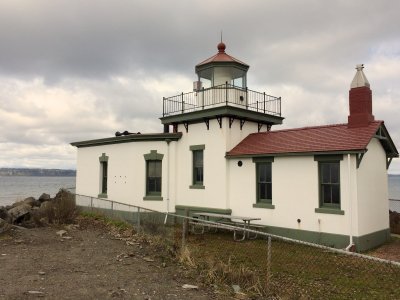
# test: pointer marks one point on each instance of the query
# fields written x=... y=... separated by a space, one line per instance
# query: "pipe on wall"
x=350 y=246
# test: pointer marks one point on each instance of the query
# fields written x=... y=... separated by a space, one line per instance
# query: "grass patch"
x=296 y=271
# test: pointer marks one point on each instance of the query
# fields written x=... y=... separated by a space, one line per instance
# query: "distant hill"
x=36 y=172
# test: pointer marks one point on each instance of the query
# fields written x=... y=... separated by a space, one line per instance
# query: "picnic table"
x=227 y=220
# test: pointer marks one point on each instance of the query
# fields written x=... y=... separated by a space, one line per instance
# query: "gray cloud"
x=81 y=70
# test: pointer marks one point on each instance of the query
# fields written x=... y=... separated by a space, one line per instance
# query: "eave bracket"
x=359 y=157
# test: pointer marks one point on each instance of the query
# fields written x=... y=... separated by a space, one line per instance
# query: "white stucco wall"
x=294 y=193
x=372 y=192
x=217 y=142
x=126 y=172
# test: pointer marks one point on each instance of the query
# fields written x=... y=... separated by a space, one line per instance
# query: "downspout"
x=168 y=175
x=351 y=245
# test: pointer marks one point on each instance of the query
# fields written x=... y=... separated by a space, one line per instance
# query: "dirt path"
x=91 y=264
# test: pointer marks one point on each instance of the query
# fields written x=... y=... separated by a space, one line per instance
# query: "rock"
x=190 y=287
x=19 y=211
x=4 y=226
x=41 y=273
x=236 y=288
x=45 y=205
x=44 y=197
x=30 y=201
x=148 y=259
x=5 y=215
x=61 y=232
x=35 y=293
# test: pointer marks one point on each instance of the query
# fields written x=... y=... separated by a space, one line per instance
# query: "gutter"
x=168 y=178
x=350 y=247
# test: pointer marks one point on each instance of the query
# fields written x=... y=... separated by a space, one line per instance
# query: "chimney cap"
x=359 y=79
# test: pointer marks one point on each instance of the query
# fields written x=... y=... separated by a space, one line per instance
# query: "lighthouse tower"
x=220 y=93
x=213 y=118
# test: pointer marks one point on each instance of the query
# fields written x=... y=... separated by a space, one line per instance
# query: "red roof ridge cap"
x=312 y=127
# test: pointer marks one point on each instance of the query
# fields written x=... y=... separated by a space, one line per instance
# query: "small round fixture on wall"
x=298 y=221
x=240 y=163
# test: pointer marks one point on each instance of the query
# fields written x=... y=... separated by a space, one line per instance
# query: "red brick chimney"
x=360 y=100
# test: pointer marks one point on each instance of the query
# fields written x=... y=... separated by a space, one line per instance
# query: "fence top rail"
x=394 y=199
x=218 y=87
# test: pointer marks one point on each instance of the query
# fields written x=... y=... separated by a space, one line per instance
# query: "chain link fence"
x=394 y=205
x=266 y=267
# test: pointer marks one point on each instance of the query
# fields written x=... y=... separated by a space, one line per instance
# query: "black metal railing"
x=222 y=95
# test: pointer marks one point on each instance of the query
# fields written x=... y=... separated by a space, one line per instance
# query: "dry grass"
x=60 y=210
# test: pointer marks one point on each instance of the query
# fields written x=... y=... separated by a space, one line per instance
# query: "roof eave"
x=129 y=139
x=305 y=153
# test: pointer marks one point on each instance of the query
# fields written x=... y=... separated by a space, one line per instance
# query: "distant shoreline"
x=37 y=172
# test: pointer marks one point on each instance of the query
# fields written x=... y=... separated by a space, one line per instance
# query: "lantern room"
x=221 y=69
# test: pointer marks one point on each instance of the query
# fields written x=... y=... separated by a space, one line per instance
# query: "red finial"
x=221 y=47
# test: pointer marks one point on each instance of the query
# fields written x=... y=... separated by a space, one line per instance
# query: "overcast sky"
x=78 y=70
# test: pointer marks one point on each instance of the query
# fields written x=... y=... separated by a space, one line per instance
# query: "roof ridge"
x=311 y=127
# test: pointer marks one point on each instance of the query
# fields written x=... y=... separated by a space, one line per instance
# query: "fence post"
x=183 y=104
x=247 y=101
x=268 y=263
x=264 y=102
x=185 y=228
x=202 y=96
x=91 y=204
x=280 y=113
x=226 y=92
x=112 y=208
x=163 y=106
x=138 y=220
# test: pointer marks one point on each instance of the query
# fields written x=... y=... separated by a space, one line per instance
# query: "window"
x=153 y=175
x=197 y=166
x=103 y=175
x=263 y=182
x=104 y=166
x=329 y=183
x=153 y=184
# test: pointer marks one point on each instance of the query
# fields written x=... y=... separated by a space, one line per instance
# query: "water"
x=394 y=192
x=13 y=188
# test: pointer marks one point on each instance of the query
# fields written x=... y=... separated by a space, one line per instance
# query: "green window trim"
x=197 y=187
x=197 y=166
x=329 y=183
x=263 y=159
x=325 y=210
x=197 y=147
x=153 y=164
x=103 y=159
x=263 y=182
x=152 y=198
x=329 y=158
x=153 y=155
x=263 y=205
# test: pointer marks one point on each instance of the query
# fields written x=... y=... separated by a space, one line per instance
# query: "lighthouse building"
x=219 y=152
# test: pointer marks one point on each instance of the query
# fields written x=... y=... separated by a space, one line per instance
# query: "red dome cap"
x=221 y=47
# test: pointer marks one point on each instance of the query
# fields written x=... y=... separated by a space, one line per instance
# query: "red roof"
x=221 y=56
x=326 y=138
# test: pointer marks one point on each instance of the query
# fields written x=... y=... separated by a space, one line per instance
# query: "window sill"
x=197 y=186
x=153 y=198
x=102 y=195
x=264 y=205
x=334 y=211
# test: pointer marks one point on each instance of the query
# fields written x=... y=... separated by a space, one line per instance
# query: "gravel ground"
x=87 y=262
